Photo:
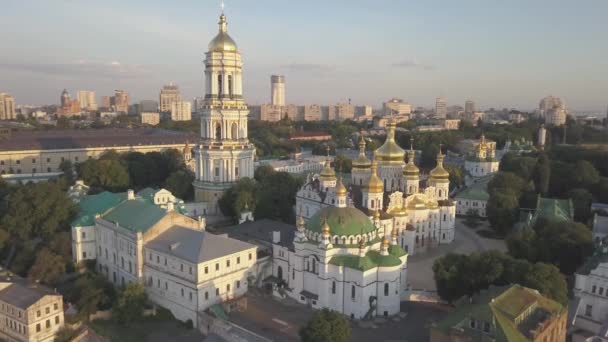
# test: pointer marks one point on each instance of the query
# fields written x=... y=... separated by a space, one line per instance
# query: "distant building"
x=277 y=90
x=120 y=101
x=7 y=107
x=548 y=103
x=474 y=117
x=516 y=118
x=87 y=100
x=29 y=312
x=555 y=116
x=33 y=152
x=169 y=95
x=181 y=111
x=183 y=268
x=148 y=106
x=312 y=164
x=308 y=136
x=150 y=118
x=197 y=104
x=507 y=313
x=441 y=108
x=469 y=106
x=451 y=124
x=68 y=106
x=106 y=102
x=481 y=161
x=600 y=227
x=397 y=107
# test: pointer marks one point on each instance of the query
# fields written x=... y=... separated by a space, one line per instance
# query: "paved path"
x=420 y=266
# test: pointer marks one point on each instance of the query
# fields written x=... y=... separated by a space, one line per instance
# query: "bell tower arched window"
x=218 y=131
x=230 y=91
x=220 y=85
x=234 y=131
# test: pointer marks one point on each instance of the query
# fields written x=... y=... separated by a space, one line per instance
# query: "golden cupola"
x=222 y=41
x=390 y=152
x=340 y=188
x=375 y=184
x=410 y=169
x=362 y=162
x=327 y=174
x=439 y=172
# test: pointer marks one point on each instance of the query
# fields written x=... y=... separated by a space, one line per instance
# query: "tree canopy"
x=130 y=303
x=457 y=275
x=326 y=326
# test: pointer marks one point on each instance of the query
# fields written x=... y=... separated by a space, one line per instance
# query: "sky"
x=495 y=52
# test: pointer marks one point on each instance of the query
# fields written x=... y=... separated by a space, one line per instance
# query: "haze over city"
x=502 y=54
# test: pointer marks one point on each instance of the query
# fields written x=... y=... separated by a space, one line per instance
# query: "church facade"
x=482 y=160
x=224 y=153
x=390 y=189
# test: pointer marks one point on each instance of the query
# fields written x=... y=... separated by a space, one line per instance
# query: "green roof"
x=371 y=260
x=137 y=215
x=396 y=250
x=147 y=193
x=93 y=205
x=553 y=209
x=500 y=306
x=218 y=311
x=341 y=221
x=476 y=192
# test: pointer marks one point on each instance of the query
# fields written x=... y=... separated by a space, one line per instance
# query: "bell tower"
x=224 y=153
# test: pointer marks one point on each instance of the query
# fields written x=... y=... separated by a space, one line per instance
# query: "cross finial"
x=440 y=148
x=327 y=149
x=222 y=6
x=411 y=143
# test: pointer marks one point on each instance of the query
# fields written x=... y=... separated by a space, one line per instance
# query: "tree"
x=48 y=267
x=37 y=210
x=109 y=174
x=458 y=275
x=65 y=334
x=502 y=211
x=68 y=171
x=130 y=303
x=471 y=220
x=343 y=164
x=92 y=292
x=239 y=196
x=585 y=175
x=326 y=326
x=456 y=176
x=581 y=200
x=275 y=197
x=542 y=173
x=565 y=244
x=263 y=172
x=180 y=184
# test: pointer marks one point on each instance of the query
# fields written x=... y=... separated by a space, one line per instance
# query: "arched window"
x=333 y=287
x=440 y=193
x=234 y=131
x=314 y=266
x=230 y=85
x=280 y=273
x=386 y=289
x=220 y=85
x=218 y=131
x=352 y=292
x=372 y=204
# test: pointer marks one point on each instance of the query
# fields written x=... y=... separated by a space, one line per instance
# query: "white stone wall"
x=83 y=244
x=592 y=289
x=464 y=205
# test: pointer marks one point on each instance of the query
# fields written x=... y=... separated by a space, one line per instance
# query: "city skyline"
x=499 y=55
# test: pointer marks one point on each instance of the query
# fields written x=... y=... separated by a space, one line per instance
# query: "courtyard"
x=420 y=266
x=280 y=320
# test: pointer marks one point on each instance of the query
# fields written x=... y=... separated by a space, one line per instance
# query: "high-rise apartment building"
x=148 y=106
x=555 y=116
x=549 y=103
x=441 y=108
x=68 y=107
x=7 y=107
x=168 y=95
x=397 y=107
x=277 y=93
x=106 y=102
x=120 y=101
x=469 y=106
x=181 y=111
x=87 y=100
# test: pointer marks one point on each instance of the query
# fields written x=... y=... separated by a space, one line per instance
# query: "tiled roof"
x=196 y=246
x=554 y=209
x=136 y=215
x=22 y=295
x=92 y=205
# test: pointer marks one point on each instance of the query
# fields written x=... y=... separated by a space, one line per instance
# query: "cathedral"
x=224 y=153
x=482 y=160
x=388 y=190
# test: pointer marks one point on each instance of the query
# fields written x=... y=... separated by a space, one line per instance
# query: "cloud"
x=81 y=68
x=309 y=67
x=413 y=64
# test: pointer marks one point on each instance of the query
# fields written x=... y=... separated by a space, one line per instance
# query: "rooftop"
x=93 y=205
x=476 y=191
x=554 y=209
x=22 y=295
x=136 y=215
x=196 y=246
x=88 y=138
x=261 y=231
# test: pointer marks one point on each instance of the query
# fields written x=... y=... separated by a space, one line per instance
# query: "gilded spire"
x=361 y=162
x=340 y=188
x=325 y=230
x=223 y=24
x=374 y=184
x=439 y=171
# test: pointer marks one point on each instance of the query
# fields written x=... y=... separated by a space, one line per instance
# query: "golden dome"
x=439 y=172
x=325 y=229
x=385 y=243
x=222 y=42
x=328 y=174
x=410 y=168
x=362 y=162
x=301 y=223
x=340 y=188
x=375 y=184
x=390 y=151
x=377 y=215
x=416 y=202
